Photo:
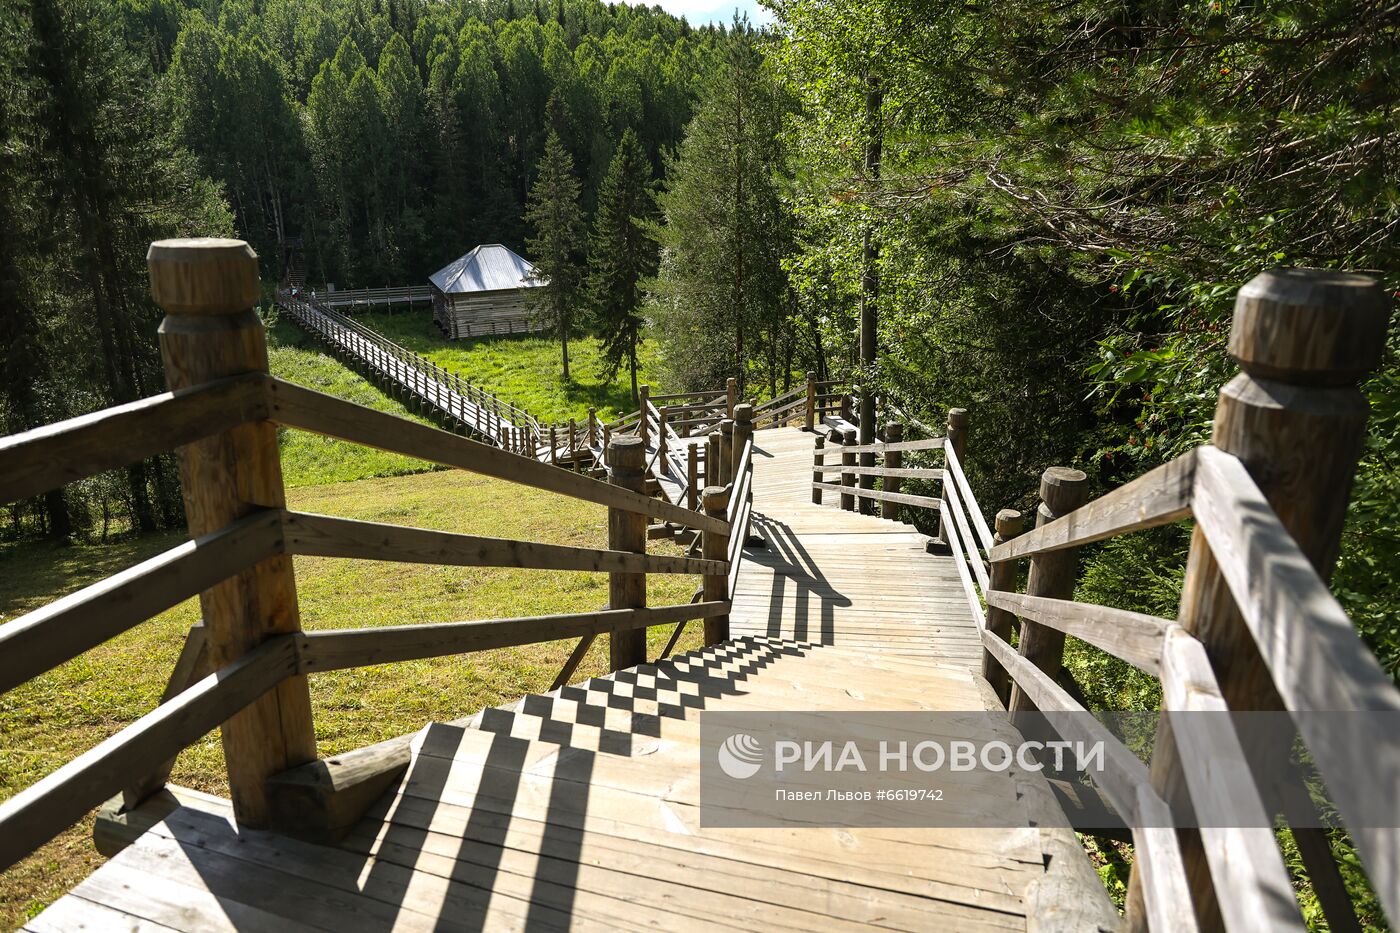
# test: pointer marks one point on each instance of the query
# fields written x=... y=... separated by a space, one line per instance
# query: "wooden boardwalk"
x=579 y=809
x=841 y=578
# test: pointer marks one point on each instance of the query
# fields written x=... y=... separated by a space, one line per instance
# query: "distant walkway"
x=841 y=578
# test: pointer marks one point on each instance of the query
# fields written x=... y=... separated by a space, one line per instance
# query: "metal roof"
x=488 y=268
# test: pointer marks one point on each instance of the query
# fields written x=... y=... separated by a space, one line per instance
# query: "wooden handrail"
x=35 y=461
x=1158 y=497
x=928 y=443
x=902 y=472
x=337 y=650
x=43 y=810
x=298 y=407
x=60 y=631
x=927 y=502
x=1134 y=637
x=964 y=491
x=324 y=536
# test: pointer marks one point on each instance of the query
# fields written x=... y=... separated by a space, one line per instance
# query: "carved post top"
x=715 y=499
x=1309 y=326
x=203 y=276
x=957 y=418
x=726 y=426
x=626 y=454
x=1009 y=524
x=894 y=431
x=743 y=413
x=1062 y=490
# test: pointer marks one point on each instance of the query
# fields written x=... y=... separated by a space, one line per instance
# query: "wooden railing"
x=245 y=668
x=389 y=295
x=1258 y=628
x=419 y=381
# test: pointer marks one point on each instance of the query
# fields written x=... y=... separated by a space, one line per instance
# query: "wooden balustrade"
x=222 y=414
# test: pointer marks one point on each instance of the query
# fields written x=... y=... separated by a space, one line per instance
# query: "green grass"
x=312 y=460
x=522 y=369
x=56 y=717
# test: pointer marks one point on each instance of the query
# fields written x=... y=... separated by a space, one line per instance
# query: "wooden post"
x=1304 y=339
x=894 y=459
x=955 y=436
x=743 y=433
x=712 y=472
x=1009 y=524
x=848 y=439
x=725 y=466
x=1052 y=574
x=715 y=546
x=818 y=460
x=627 y=531
x=553 y=445
x=663 y=414
x=811 y=400
x=592 y=427
x=731 y=396
x=607 y=438
x=846 y=404
x=692 y=477
x=573 y=438
x=643 y=411
x=207 y=288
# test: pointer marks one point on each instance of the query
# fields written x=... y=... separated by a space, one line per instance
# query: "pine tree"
x=622 y=255
x=553 y=211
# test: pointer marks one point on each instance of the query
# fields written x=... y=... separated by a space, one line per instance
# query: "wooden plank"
x=40 y=640
x=336 y=650
x=1133 y=636
x=39 y=812
x=1158 y=497
x=970 y=501
x=50 y=456
x=928 y=443
x=1311 y=648
x=902 y=472
x=298 y=407
x=1246 y=867
x=325 y=536
x=927 y=502
x=1166 y=894
x=969 y=547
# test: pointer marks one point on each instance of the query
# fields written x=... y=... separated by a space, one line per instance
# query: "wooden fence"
x=1257 y=629
x=244 y=669
x=365 y=297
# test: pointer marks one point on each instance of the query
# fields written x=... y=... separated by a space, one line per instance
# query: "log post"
x=627 y=531
x=743 y=433
x=731 y=396
x=811 y=400
x=662 y=415
x=1052 y=575
x=553 y=445
x=818 y=461
x=1304 y=339
x=692 y=477
x=725 y=466
x=207 y=288
x=643 y=412
x=1009 y=524
x=592 y=427
x=712 y=460
x=848 y=459
x=715 y=546
x=847 y=404
x=955 y=436
x=893 y=459
x=607 y=438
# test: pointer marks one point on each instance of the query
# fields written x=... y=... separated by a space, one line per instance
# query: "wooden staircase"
x=579 y=809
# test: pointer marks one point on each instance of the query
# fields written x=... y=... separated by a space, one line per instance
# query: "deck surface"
x=579 y=809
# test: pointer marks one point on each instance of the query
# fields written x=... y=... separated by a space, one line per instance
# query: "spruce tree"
x=622 y=255
x=553 y=211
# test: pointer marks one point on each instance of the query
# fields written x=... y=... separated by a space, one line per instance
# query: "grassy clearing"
x=523 y=369
x=53 y=719
x=309 y=459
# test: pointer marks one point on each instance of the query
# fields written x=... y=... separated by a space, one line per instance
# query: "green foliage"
x=622 y=253
x=553 y=210
x=721 y=296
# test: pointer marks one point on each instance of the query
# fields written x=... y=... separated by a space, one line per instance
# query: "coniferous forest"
x=1049 y=206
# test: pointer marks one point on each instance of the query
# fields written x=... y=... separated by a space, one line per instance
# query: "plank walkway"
x=579 y=808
